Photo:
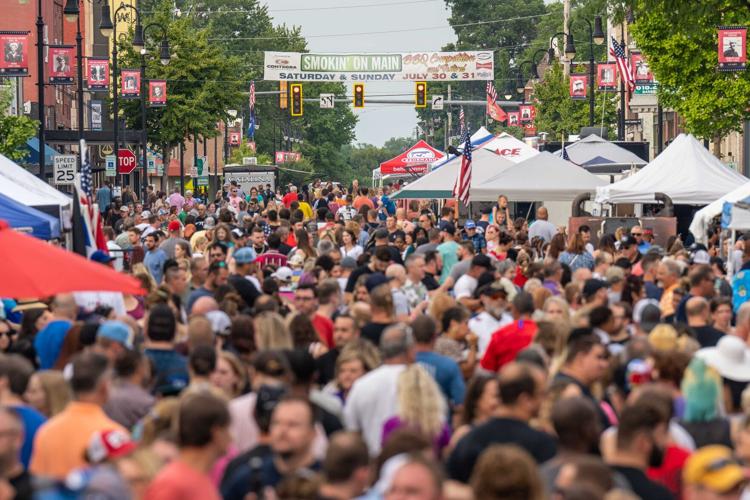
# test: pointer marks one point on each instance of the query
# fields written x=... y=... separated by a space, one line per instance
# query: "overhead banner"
x=514 y=119
x=578 y=85
x=641 y=70
x=235 y=138
x=528 y=112
x=732 y=48
x=15 y=47
x=606 y=77
x=411 y=66
x=131 y=83
x=60 y=68
x=97 y=74
x=157 y=93
x=287 y=157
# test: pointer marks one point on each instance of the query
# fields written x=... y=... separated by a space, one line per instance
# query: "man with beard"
x=641 y=438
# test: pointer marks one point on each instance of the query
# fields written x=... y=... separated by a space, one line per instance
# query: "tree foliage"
x=14 y=130
x=680 y=39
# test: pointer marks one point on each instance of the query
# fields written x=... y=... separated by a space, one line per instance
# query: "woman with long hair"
x=556 y=247
x=304 y=246
x=421 y=408
x=271 y=333
x=480 y=403
x=349 y=246
x=229 y=375
x=48 y=392
x=576 y=256
x=303 y=331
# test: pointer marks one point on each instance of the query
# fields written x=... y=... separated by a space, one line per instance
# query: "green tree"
x=679 y=40
x=14 y=130
x=558 y=115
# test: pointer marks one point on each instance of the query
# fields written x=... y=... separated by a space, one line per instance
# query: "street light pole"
x=40 y=88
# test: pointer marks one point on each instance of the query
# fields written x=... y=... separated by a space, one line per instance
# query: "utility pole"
x=449 y=122
x=566 y=29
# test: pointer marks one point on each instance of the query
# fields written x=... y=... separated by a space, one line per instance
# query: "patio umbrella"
x=32 y=268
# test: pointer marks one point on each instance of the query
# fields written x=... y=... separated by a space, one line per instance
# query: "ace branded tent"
x=685 y=171
x=23 y=218
x=510 y=148
x=414 y=161
x=601 y=156
x=543 y=177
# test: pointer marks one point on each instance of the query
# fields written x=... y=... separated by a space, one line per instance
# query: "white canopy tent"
x=703 y=217
x=510 y=148
x=439 y=183
x=685 y=171
x=20 y=185
x=543 y=177
x=601 y=156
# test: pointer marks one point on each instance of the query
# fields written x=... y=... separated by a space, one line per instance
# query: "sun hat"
x=730 y=358
x=109 y=444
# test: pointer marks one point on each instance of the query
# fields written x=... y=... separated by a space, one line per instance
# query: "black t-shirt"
x=642 y=485
x=245 y=288
x=707 y=336
x=393 y=252
x=261 y=451
x=430 y=282
x=327 y=366
x=354 y=276
x=22 y=483
x=373 y=331
x=541 y=446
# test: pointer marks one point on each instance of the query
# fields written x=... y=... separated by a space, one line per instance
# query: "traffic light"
x=420 y=94
x=359 y=95
x=296 y=99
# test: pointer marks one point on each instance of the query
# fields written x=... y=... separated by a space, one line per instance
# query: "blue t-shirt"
x=154 y=262
x=388 y=204
x=48 y=342
x=170 y=371
x=446 y=373
x=32 y=421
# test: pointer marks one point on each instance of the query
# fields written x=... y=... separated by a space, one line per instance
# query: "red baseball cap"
x=174 y=225
x=108 y=445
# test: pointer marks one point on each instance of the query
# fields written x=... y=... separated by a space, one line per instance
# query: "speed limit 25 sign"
x=64 y=172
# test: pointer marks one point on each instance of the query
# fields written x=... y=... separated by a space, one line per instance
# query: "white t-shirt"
x=115 y=251
x=354 y=253
x=465 y=287
x=371 y=402
x=483 y=325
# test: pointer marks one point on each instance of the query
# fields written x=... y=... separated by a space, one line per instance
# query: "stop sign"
x=126 y=161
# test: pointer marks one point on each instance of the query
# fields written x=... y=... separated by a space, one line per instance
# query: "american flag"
x=491 y=91
x=618 y=52
x=462 y=119
x=493 y=110
x=463 y=182
x=251 y=125
x=86 y=178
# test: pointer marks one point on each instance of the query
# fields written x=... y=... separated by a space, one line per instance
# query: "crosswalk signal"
x=359 y=95
x=420 y=94
x=296 y=99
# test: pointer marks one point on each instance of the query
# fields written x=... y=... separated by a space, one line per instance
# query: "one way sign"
x=327 y=101
x=437 y=102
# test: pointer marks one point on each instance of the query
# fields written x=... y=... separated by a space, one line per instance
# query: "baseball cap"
x=470 y=224
x=162 y=212
x=375 y=280
x=245 y=255
x=627 y=241
x=348 y=263
x=209 y=223
x=118 y=331
x=145 y=214
x=107 y=445
x=283 y=273
x=101 y=257
x=701 y=257
x=220 y=322
x=238 y=233
x=592 y=286
x=448 y=227
x=492 y=289
x=174 y=225
x=715 y=468
x=124 y=208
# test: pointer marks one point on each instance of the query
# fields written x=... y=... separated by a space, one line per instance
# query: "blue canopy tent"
x=33 y=146
x=21 y=217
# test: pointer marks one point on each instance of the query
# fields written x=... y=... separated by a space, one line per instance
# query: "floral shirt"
x=416 y=293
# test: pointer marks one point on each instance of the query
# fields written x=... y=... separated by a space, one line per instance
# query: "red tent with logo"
x=415 y=160
x=32 y=268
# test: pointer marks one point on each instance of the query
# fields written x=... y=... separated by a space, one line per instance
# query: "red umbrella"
x=31 y=268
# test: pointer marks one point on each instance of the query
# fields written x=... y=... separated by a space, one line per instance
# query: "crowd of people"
x=328 y=342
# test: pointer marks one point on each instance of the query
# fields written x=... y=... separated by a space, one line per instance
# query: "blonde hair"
x=161 y=421
x=362 y=350
x=420 y=402
x=560 y=302
x=57 y=392
x=438 y=305
x=271 y=333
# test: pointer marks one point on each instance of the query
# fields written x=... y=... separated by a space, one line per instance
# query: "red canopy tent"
x=32 y=268
x=415 y=160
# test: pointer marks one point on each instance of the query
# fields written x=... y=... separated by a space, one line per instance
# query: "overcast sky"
x=321 y=18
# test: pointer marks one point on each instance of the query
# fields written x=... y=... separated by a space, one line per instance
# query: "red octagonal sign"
x=126 y=161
